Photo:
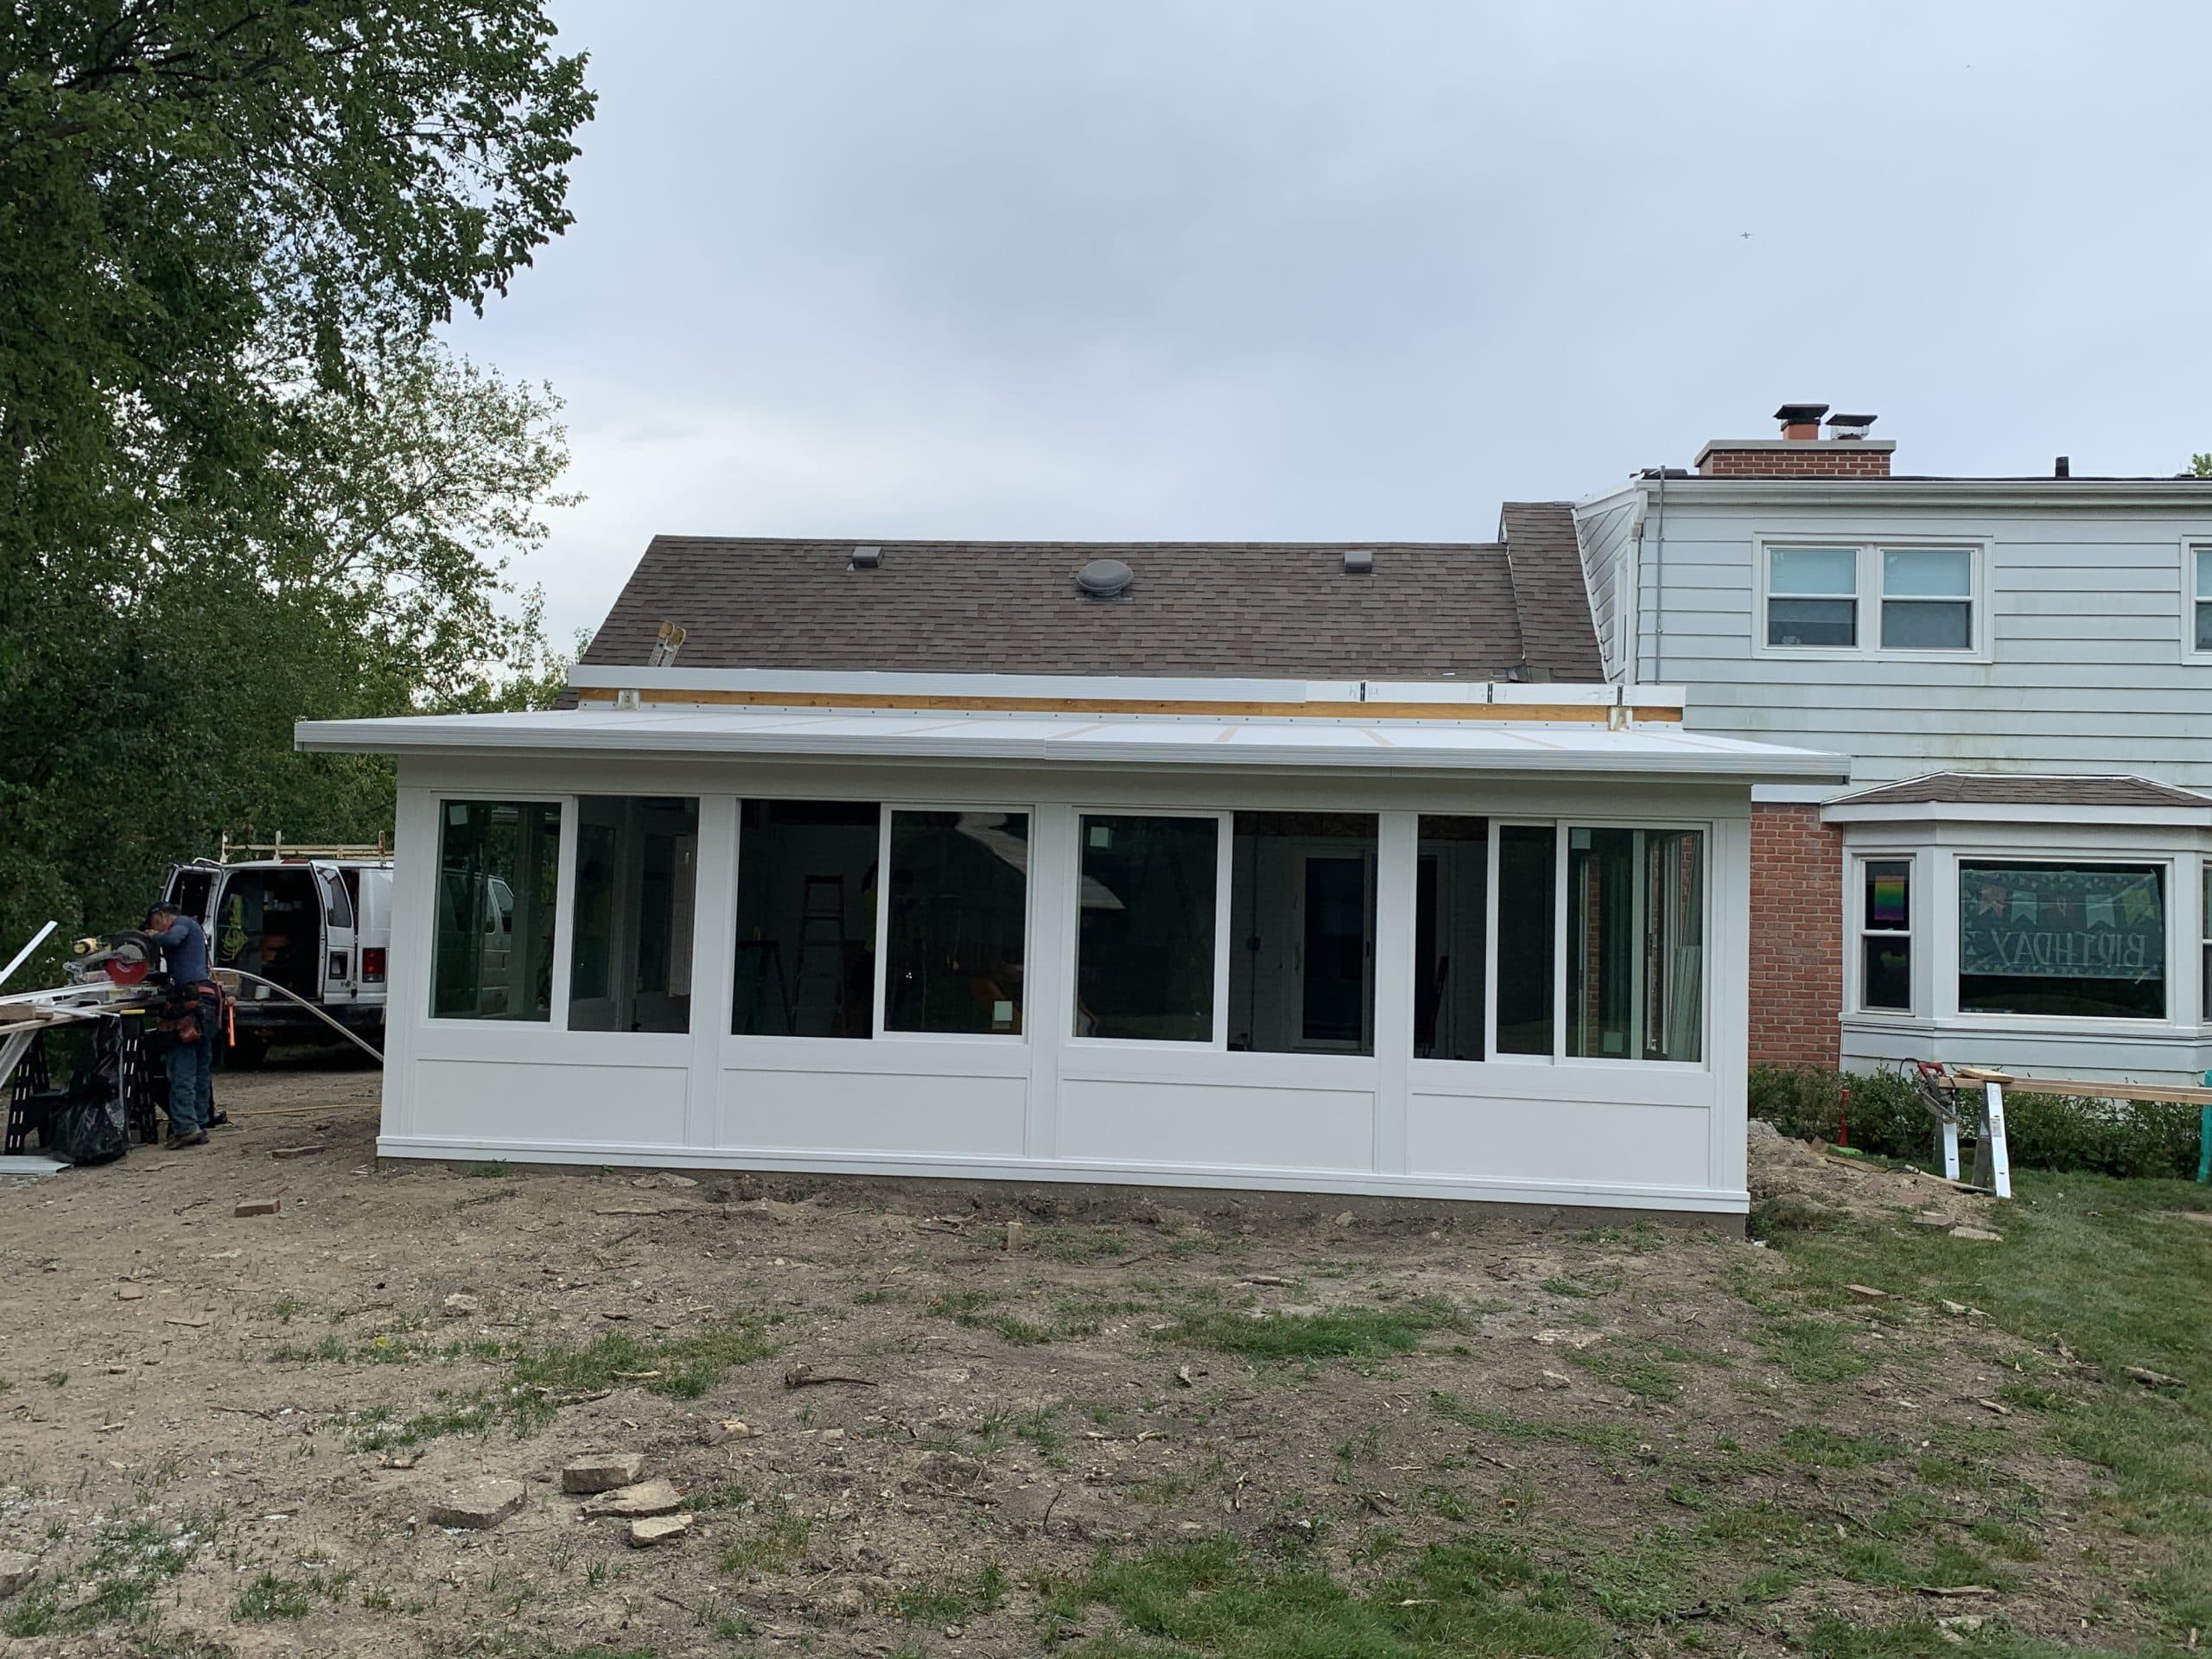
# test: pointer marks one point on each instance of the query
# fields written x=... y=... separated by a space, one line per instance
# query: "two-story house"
x=2020 y=672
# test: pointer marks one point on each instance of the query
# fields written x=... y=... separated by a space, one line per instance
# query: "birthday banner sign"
x=2085 y=923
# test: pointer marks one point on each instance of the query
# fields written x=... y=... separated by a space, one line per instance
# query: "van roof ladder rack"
x=280 y=848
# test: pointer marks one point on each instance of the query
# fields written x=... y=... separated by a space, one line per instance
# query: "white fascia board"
x=668 y=683
x=2177 y=816
x=1534 y=750
x=1611 y=495
x=664 y=681
x=1792 y=794
x=2033 y=494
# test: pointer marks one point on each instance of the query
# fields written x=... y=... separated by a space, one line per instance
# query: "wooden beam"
x=2081 y=1086
x=1579 y=713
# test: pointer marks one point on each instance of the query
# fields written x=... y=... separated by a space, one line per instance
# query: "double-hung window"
x=1927 y=599
x=1865 y=598
x=2200 y=620
x=1812 y=597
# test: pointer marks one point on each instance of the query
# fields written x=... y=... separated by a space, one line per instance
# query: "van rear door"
x=192 y=890
x=340 y=975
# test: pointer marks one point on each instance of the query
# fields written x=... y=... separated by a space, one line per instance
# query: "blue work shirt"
x=186 y=946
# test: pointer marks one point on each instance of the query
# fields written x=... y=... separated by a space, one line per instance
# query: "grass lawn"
x=2100 y=1274
x=2095 y=1275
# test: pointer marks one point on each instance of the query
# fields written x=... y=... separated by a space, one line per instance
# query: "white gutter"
x=1534 y=750
x=2041 y=493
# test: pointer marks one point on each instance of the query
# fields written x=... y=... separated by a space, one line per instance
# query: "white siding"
x=1605 y=532
x=2088 y=669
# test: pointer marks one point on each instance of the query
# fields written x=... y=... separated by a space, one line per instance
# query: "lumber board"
x=1552 y=713
x=2085 y=1087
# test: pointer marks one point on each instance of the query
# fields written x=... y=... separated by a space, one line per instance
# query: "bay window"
x=1886 y=935
x=2080 y=940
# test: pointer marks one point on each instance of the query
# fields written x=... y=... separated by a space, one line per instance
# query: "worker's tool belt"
x=192 y=1011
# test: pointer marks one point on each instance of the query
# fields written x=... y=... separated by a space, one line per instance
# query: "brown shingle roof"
x=2002 y=789
x=1278 y=610
x=1557 y=634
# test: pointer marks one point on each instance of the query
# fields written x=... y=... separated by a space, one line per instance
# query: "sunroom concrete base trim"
x=1350 y=1182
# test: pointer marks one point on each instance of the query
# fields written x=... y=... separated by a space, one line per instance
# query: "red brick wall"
x=1797 y=935
x=1823 y=458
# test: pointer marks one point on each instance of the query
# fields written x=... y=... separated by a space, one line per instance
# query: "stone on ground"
x=1977 y=1235
x=647 y=1498
x=602 y=1472
x=16 y=1570
x=258 y=1206
x=660 y=1530
x=479 y=1507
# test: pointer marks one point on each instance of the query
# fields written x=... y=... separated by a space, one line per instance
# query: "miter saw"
x=124 y=959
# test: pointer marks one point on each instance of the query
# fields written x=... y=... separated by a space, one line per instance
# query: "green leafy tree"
x=240 y=483
x=2200 y=466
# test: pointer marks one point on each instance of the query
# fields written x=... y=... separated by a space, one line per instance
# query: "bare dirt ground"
x=222 y=1434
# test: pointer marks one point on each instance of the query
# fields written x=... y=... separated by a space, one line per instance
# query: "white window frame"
x=883 y=1032
x=1561 y=827
x=876 y=1034
x=1869 y=598
x=564 y=909
x=2194 y=595
x=1915 y=907
x=2204 y=940
x=2169 y=875
x=1224 y=853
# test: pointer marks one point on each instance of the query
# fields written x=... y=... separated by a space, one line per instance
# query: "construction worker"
x=189 y=1019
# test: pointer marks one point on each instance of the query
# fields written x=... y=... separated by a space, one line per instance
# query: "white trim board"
x=661 y=1155
x=1191 y=742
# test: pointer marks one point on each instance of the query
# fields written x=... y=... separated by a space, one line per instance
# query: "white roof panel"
x=1079 y=740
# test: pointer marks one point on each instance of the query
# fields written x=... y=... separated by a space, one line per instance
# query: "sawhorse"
x=1992 y=1165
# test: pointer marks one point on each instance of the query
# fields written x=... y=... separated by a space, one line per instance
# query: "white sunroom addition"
x=1459 y=940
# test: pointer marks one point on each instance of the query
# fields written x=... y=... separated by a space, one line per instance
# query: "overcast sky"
x=887 y=269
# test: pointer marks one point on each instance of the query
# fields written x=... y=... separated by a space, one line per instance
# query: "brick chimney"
x=1800 y=451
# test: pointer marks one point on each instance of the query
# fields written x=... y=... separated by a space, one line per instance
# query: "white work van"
x=316 y=920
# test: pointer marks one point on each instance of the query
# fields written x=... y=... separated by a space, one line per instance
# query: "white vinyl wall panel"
x=1046 y=1105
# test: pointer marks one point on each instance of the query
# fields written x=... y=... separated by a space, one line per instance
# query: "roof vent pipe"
x=2063 y=467
x=1104 y=579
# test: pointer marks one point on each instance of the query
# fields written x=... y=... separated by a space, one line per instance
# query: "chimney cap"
x=1862 y=422
x=1801 y=414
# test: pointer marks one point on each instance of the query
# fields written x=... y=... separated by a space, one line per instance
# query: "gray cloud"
x=1257 y=270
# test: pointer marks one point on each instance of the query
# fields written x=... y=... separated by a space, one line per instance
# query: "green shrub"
x=2102 y=1137
x=2106 y=1137
x=1884 y=1114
